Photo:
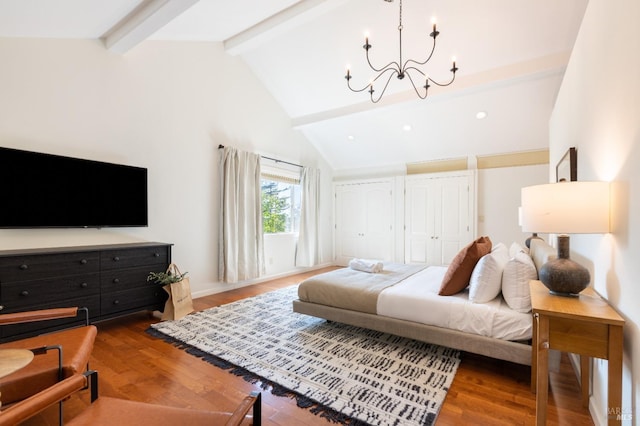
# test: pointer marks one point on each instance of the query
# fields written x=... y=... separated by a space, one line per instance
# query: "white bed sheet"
x=416 y=299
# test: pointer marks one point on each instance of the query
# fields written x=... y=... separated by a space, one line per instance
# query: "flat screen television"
x=52 y=191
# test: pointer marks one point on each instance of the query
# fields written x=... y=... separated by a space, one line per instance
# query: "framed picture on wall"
x=567 y=168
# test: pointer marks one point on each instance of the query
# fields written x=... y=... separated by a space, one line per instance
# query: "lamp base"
x=527 y=242
x=555 y=293
x=563 y=276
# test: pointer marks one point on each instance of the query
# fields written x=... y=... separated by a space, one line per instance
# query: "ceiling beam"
x=291 y=17
x=143 y=22
x=506 y=75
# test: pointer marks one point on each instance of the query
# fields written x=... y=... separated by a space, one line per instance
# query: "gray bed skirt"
x=519 y=353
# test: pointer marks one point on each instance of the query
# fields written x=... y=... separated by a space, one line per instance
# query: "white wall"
x=165 y=106
x=598 y=112
x=499 y=199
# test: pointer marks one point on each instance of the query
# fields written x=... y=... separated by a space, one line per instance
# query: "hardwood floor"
x=133 y=365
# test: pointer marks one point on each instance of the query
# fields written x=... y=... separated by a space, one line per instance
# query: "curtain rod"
x=273 y=159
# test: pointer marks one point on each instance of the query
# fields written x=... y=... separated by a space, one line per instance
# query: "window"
x=280 y=204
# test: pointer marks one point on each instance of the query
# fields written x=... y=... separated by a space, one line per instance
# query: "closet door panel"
x=349 y=222
x=378 y=219
x=419 y=230
x=454 y=231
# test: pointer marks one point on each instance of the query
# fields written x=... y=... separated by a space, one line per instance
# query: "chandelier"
x=400 y=69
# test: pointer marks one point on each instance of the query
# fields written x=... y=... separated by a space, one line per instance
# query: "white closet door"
x=455 y=211
x=350 y=218
x=438 y=217
x=364 y=219
x=378 y=232
x=419 y=221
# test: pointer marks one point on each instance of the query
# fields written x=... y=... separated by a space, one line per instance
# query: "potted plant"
x=165 y=278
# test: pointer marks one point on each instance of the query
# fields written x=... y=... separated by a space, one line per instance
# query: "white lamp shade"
x=566 y=207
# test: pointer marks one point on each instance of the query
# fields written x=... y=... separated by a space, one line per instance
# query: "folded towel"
x=366 y=265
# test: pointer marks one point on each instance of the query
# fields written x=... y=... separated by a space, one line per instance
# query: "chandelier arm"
x=397 y=65
x=392 y=70
x=414 y=85
x=433 y=49
x=385 y=86
x=368 y=86
x=415 y=69
x=443 y=84
x=358 y=90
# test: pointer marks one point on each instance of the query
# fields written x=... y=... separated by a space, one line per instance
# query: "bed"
x=403 y=300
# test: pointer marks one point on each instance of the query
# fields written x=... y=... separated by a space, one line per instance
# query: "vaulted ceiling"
x=511 y=56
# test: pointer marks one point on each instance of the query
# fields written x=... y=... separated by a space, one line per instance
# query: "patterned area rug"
x=349 y=374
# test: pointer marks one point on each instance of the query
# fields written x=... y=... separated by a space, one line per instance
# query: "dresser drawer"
x=125 y=279
x=25 y=294
x=152 y=297
x=34 y=267
x=128 y=258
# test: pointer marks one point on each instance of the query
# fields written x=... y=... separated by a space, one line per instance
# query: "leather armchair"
x=48 y=367
x=110 y=411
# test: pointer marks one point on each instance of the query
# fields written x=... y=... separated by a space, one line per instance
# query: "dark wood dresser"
x=109 y=280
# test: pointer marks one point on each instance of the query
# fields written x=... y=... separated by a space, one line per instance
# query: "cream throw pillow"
x=486 y=280
x=515 y=282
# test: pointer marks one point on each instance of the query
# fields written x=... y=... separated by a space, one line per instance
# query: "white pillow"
x=499 y=246
x=486 y=278
x=514 y=249
x=515 y=282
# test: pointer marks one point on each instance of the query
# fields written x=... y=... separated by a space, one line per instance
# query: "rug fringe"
x=277 y=390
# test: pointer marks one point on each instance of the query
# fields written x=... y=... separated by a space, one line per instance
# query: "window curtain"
x=241 y=250
x=308 y=248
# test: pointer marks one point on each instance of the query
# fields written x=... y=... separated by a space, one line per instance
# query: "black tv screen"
x=51 y=191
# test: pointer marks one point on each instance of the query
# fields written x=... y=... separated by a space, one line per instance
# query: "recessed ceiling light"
x=481 y=115
x=406 y=127
x=351 y=138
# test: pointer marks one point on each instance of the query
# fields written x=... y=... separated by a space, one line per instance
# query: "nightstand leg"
x=585 y=363
x=534 y=353
x=615 y=375
x=542 y=376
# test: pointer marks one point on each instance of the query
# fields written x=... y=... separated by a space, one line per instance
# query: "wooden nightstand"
x=585 y=325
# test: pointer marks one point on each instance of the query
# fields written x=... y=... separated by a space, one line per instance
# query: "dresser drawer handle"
x=116 y=280
x=24 y=293
x=84 y=285
x=116 y=258
x=24 y=266
x=83 y=262
x=1 y=307
x=156 y=254
x=116 y=302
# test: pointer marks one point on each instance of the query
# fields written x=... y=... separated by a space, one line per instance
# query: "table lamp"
x=565 y=208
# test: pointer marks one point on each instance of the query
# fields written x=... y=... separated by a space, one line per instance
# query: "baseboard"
x=599 y=419
x=219 y=287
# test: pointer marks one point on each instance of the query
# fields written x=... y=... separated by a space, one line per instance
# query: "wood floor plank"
x=134 y=365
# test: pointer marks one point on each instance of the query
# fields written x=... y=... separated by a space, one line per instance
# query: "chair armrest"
x=40 y=315
x=33 y=405
x=253 y=400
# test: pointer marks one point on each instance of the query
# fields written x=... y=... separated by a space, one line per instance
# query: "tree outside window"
x=280 y=206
